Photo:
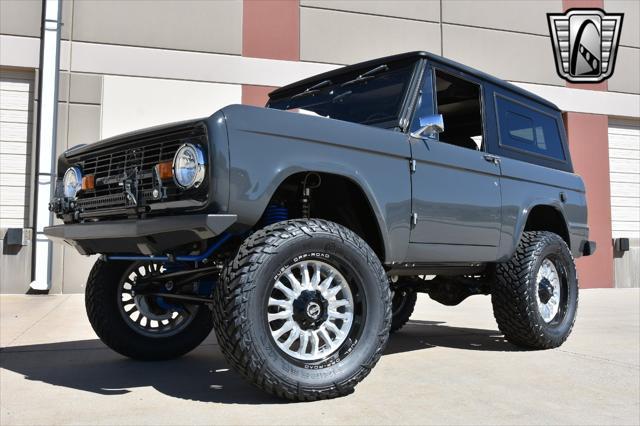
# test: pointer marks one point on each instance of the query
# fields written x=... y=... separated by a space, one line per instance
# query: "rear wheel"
x=403 y=302
x=535 y=295
x=139 y=326
x=303 y=311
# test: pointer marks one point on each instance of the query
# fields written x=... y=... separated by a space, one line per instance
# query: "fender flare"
x=333 y=169
x=523 y=217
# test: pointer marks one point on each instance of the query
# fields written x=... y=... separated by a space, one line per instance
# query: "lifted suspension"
x=449 y=291
x=223 y=238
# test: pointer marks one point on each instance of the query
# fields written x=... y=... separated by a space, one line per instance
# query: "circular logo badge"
x=313 y=310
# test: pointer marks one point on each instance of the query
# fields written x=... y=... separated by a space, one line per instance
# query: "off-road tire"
x=101 y=302
x=402 y=305
x=240 y=319
x=514 y=293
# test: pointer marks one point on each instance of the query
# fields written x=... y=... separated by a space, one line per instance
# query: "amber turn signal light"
x=165 y=170
x=88 y=182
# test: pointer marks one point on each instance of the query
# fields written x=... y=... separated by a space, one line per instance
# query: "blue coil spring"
x=274 y=213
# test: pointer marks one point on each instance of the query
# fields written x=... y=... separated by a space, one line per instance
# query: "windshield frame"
x=408 y=97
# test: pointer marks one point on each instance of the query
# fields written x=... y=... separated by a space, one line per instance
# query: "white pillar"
x=45 y=151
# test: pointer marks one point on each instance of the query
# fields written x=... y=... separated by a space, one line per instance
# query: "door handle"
x=491 y=158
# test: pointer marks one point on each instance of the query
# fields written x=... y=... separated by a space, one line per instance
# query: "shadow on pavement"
x=416 y=335
x=202 y=375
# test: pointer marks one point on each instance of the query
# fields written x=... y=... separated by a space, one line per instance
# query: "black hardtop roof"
x=303 y=84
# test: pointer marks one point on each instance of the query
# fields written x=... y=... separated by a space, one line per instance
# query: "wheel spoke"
x=338 y=303
x=315 y=343
x=295 y=284
x=324 y=285
x=287 y=326
x=339 y=315
x=281 y=303
x=331 y=293
x=306 y=279
x=322 y=332
x=334 y=329
x=286 y=290
x=304 y=340
x=279 y=316
x=293 y=336
x=315 y=281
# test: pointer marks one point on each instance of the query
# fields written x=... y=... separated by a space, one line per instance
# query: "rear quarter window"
x=527 y=129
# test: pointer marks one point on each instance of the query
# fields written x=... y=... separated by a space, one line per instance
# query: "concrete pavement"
x=448 y=366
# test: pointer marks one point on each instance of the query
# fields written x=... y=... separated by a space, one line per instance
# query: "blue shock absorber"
x=274 y=213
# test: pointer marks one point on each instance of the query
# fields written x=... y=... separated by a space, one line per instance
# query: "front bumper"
x=144 y=236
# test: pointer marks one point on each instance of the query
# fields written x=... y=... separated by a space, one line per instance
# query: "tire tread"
x=232 y=292
x=514 y=307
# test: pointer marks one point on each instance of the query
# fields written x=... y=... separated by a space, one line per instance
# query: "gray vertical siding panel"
x=206 y=26
x=630 y=35
x=527 y=16
x=410 y=9
x=507 y=55
x=20 y=17
x=361 y=36
x=626 y=75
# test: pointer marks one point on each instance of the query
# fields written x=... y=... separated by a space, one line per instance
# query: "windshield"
x=370 y=96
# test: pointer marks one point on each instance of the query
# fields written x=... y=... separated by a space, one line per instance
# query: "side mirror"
x=430 y=126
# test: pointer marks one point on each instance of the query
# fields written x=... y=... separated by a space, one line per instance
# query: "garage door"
x=16 y=103
x=624 y=169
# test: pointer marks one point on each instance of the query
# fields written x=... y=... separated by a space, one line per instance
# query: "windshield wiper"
x=367 y=75
x=341 y=96
x=313 y=89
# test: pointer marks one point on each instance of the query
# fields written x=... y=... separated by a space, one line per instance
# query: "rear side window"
x=527 y=129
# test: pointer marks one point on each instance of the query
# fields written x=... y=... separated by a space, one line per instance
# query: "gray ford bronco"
x=301 y=232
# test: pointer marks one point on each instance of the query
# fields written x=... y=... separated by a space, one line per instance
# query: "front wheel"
x=138 y=326
x=535 y=294
x=303 y=311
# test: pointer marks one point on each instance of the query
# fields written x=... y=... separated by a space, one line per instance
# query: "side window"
x=459 y=101
x=527 y=129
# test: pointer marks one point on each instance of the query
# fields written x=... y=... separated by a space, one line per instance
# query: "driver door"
x=456 y=198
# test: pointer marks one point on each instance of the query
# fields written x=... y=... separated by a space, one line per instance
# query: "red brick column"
x=271 y=30
x=588 y=143
x=589 y=146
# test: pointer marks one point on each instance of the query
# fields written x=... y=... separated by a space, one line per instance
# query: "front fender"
x=267 y=146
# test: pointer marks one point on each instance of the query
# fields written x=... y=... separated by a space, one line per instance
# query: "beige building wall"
x=626 y=78
x=20 y=18
x=500 y=37
x=205 y=26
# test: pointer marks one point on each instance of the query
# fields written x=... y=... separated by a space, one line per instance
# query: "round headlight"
x=72 y=182
x=188 y=166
